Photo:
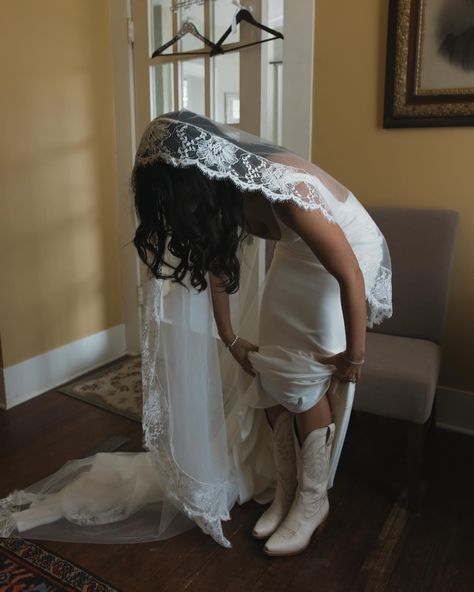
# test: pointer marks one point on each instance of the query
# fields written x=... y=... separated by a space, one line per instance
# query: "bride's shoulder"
x=291 y=160
x=297 y=217
x=313 y=175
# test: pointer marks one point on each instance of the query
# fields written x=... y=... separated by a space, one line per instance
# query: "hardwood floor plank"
x=50 y=430
x=438 y=552
x=378 y=566
x=229 y=570
x=369 y=543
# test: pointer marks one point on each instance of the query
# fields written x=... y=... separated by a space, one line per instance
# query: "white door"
x=250 y=89
x=208 y=86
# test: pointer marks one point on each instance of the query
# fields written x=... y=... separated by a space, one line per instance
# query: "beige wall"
x=409 y=167
x=58 y=219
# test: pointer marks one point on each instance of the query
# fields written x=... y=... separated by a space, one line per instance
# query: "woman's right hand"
x=240 y=351
x=345 y=371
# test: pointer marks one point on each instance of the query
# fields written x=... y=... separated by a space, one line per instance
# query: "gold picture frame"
x=429 y=77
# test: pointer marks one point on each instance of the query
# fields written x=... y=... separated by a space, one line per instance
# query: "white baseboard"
x=42 y=373
x=455 y=410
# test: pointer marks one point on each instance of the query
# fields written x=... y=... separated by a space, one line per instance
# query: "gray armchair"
x=403 y=354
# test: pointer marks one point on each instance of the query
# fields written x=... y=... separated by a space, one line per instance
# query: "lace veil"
x=221 y=151
x=205 y=448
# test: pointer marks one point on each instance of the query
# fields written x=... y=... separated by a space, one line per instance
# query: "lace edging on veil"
x=379 y=298
x=183 y=144
x=204 y=503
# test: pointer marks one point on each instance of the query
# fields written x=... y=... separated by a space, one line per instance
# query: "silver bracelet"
x=354 y=363
x=233 y=342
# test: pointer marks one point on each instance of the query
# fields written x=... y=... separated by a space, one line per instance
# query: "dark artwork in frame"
x=429 y=76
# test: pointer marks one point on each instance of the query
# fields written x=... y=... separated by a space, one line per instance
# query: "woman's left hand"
x=346 y=372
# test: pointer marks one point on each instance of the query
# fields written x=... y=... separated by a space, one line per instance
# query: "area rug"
x=117 y=389
x=27 y=567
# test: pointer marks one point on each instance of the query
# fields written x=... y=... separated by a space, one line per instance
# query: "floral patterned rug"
x=28 y=567
x=117 y=389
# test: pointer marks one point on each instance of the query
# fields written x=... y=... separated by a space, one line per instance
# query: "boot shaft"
x=313 y=459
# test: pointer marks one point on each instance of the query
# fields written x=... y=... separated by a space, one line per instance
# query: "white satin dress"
x=301 y=320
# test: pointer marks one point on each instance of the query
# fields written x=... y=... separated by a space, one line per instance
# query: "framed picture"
x=429 y=78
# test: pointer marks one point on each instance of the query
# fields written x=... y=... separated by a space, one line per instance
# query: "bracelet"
x=354 y=363
x=233 y=342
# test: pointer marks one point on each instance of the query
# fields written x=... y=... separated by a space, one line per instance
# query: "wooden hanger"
x=244 y=15
x=187 y=28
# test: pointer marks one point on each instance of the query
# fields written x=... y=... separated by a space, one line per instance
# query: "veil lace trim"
x=183 y=144
x=379 y=298
x=12 y=503
x=204 y=503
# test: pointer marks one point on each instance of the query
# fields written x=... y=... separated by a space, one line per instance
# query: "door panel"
x=244 y=88
x=209 y=86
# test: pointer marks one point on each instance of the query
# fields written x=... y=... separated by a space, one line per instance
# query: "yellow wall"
x=430 y=167
x=59 y=263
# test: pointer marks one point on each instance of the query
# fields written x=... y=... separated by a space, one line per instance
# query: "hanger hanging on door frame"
x=244 y=15
x=187 y=28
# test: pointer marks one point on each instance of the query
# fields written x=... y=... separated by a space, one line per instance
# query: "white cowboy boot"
x=285 y=461
x=310 y=506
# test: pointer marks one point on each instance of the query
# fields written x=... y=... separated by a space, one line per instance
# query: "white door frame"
x=124 y=115
x=296 y=133
x=298 y=60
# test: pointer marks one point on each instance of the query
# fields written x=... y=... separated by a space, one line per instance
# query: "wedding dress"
x=208 y=444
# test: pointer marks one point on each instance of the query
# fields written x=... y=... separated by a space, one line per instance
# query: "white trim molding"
x=455 y=410
x=298 y=55
x=124 y=117
x=39 y=374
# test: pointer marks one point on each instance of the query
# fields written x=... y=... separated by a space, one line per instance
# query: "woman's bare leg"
x=318 y=416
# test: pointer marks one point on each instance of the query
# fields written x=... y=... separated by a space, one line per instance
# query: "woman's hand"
x=346 y=372
x=240 y=351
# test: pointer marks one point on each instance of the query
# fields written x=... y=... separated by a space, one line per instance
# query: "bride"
x=247 y=386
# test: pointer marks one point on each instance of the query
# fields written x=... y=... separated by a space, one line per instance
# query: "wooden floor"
x=370 y=542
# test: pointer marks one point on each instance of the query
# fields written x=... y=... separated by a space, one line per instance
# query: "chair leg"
x=414 y=464
x=432 y=419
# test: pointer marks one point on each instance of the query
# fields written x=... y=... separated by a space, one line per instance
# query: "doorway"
x=252 y=88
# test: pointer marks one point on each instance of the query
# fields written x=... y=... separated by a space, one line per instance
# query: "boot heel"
x=322 y=526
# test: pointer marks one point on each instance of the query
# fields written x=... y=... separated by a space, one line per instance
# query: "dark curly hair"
x=198 y=220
